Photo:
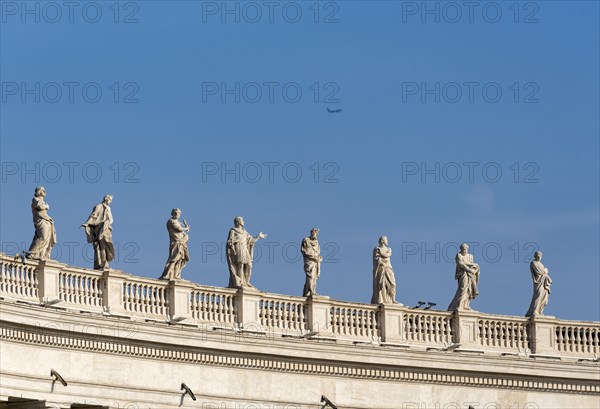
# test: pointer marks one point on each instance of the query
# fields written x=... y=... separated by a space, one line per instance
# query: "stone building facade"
x=121 y=341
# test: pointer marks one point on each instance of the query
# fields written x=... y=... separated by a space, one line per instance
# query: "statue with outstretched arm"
x=240 y=246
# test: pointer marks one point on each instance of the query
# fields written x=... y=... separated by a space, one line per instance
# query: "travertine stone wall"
x=125 y=341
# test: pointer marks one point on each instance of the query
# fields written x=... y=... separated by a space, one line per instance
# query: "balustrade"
x=57 y=285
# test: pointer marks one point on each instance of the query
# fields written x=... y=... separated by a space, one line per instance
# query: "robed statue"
x=98 y=229
x=240 y=246
x=312 y=262
x=541 y=286
x=44 y=237
x=178 y=248
x=467 y=274
x=384 y=282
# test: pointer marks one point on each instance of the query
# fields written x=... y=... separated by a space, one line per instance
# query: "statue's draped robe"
x=98 y=229
x=467 y=282
x=240 y=246
x=44 y=237
x=178 y=250
x=541 y=288
x=311 y=250
x=384 y=282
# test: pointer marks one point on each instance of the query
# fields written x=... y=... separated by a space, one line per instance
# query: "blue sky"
x=475 y=127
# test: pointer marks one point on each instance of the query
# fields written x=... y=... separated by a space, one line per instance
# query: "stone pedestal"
x=390 y=323
x=466 y=333
x=112 y=292
x=179 y=300
x=318 y=311
x=542 y=336
x=48 y=275
x=247 y=305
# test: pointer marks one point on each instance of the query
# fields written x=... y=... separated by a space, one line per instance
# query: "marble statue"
x=178 y=248
x=312 y=262
x=541 y=286
x=98 y=229
x=467 y=274
x=384 y=282
x=240 y=245
x=44 y=237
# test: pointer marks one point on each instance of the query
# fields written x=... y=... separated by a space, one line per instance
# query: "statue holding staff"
x=240 y=246
x=178 y=248
x=312 y=262
x=384 y=282
x=467 y=274
x=98 y=229
x=541 y=286
x=44 y=237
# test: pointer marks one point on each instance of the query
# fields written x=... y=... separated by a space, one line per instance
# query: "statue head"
x=314 y=232
x=464 y=248
x=383 y=241
x=537 y=255
x=238 y=221
x=176 y=213
x=108 y=199
x=40 y=191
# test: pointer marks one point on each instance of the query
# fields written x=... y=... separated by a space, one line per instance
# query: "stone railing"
x=146 y=297
x=215 y=306
x=426 y=327
x=504 y=333
x=112 y=292
x=80 y=289
x=575 y=337
x=354 y=321
x=19 y=280
x=283 y=312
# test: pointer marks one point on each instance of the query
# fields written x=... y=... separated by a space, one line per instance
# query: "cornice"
x=156 y=341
